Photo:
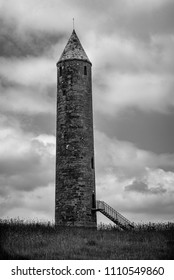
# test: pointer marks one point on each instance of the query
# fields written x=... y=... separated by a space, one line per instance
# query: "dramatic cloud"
x=138 y=186
x=30 y=82
x=28 y=71
x=31 y=205
x=131 y=179
x=125 y=159
x=26 y=162
x=26 y=174
x=131 y=74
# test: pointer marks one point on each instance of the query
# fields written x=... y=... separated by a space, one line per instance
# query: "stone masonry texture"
x=75 y=169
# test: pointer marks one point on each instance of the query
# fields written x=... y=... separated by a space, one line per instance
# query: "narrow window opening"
x=64 y=92
x=93 y=201
x=85 y=70
x=60 y=71
x=92 y=163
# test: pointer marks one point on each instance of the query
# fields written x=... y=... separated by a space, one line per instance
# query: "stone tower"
x=75 y=170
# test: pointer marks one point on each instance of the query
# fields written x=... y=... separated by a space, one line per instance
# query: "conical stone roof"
x=73 y=49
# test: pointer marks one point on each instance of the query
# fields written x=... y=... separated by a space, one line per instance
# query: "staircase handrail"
x=111 y=211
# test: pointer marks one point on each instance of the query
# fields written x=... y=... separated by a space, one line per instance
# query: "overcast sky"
x=130 y=44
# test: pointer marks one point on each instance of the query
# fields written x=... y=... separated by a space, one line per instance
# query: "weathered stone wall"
x=75 y=170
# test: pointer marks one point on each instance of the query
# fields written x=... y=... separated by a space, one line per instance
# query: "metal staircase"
x=113 y=215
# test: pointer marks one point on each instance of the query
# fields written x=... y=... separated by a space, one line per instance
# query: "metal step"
x=113 y=215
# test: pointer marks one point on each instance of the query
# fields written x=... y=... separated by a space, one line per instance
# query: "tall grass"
x=24 y=240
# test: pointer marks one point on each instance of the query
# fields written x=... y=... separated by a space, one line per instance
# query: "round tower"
x=75 y=170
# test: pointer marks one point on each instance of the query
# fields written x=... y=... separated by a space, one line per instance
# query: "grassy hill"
x=19 y=240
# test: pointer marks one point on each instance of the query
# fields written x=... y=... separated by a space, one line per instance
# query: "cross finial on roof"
x=73 y=24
